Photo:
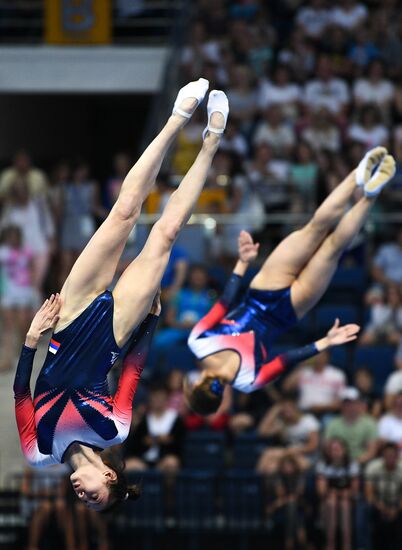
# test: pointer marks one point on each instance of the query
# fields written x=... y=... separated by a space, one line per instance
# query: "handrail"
x=276 y=218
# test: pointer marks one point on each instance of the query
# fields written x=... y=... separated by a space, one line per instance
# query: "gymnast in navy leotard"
x=72 y=415
x=233 y=341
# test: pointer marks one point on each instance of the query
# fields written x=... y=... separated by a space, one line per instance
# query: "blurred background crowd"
x=317 y=456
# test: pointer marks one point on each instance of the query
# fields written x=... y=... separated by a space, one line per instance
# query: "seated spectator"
x=268 y=177
x=17 y=296
x=296 y=431
x=385 y=324
x=242 y=96
x=22 y=169
x=313 y=18
x=357 y=429
x=157 y=440
x=337 y=485
x=233 y=141
x=363 y=50
x=393 y=385
x=44 y=503
x=188 y=144
x=383 y=490
x=321 y=133
x=369 y=129
x=371 y=400
x=326 y=90
x=349 y=14
x=319 y=385
x=298 y=56
x=390 y=424
x=200 y=49
x=287 y=508
x=34 y=218
x=275 y=132
x=387 y=265
x=303 y=174
x=375 y=89
x=280 y=91
x=175 y=274
x=187 y=307
x=335 y=45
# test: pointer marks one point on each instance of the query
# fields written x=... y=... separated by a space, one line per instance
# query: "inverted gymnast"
x=73 y=416
x=233 y=339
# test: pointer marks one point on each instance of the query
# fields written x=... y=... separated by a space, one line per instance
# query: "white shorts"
x=19 y=297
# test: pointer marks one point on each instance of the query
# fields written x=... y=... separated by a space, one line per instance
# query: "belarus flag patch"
x=54 y=346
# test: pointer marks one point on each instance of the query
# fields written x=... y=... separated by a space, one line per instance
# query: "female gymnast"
x=233 y=338
x=72 y=415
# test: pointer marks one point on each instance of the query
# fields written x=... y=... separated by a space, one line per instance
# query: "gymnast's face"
x=91 y=485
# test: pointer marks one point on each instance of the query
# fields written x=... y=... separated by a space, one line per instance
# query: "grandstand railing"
x=23 y=21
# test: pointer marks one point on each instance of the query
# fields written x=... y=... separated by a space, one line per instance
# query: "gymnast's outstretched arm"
x=45 y=319
x=336 y=336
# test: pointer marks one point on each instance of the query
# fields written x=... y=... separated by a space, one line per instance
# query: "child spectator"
x=18 y=297
x=337 y=485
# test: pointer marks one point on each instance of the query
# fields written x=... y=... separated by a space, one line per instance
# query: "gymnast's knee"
x=127 y=208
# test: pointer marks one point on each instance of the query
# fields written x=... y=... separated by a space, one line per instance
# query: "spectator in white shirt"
x=375 y=88
x=242 y=95
x=326 y=90
x=274 y=131
x=369 y=130
x=319 y=385
x=280 y=91
x=390 y=425
x=314 y=18
x=349 y=15
x=387 y=266
x=322 y=133
x=385 y=322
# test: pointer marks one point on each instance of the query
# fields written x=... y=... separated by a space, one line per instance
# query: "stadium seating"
x=204 y=451
x=195 y=500
x=326 y=315
x=379 y=359
x=242 y=501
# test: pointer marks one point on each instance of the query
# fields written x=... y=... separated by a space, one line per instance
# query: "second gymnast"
x=232 y=341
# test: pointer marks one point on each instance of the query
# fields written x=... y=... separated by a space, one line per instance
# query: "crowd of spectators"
x=312 y=85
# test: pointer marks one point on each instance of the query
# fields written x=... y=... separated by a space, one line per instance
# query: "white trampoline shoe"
x=193 y=90
x=217 y=103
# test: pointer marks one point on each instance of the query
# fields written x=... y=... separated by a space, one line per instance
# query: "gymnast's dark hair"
x=119 y=489
x=206 y=398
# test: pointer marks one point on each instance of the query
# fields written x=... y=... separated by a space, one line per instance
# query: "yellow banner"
x=78 y=21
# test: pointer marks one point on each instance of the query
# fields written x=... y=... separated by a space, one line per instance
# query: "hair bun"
x=133 y=492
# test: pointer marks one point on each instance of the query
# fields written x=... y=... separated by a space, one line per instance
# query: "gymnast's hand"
x=248 y=249
x=338 y=335
x=45 y=318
